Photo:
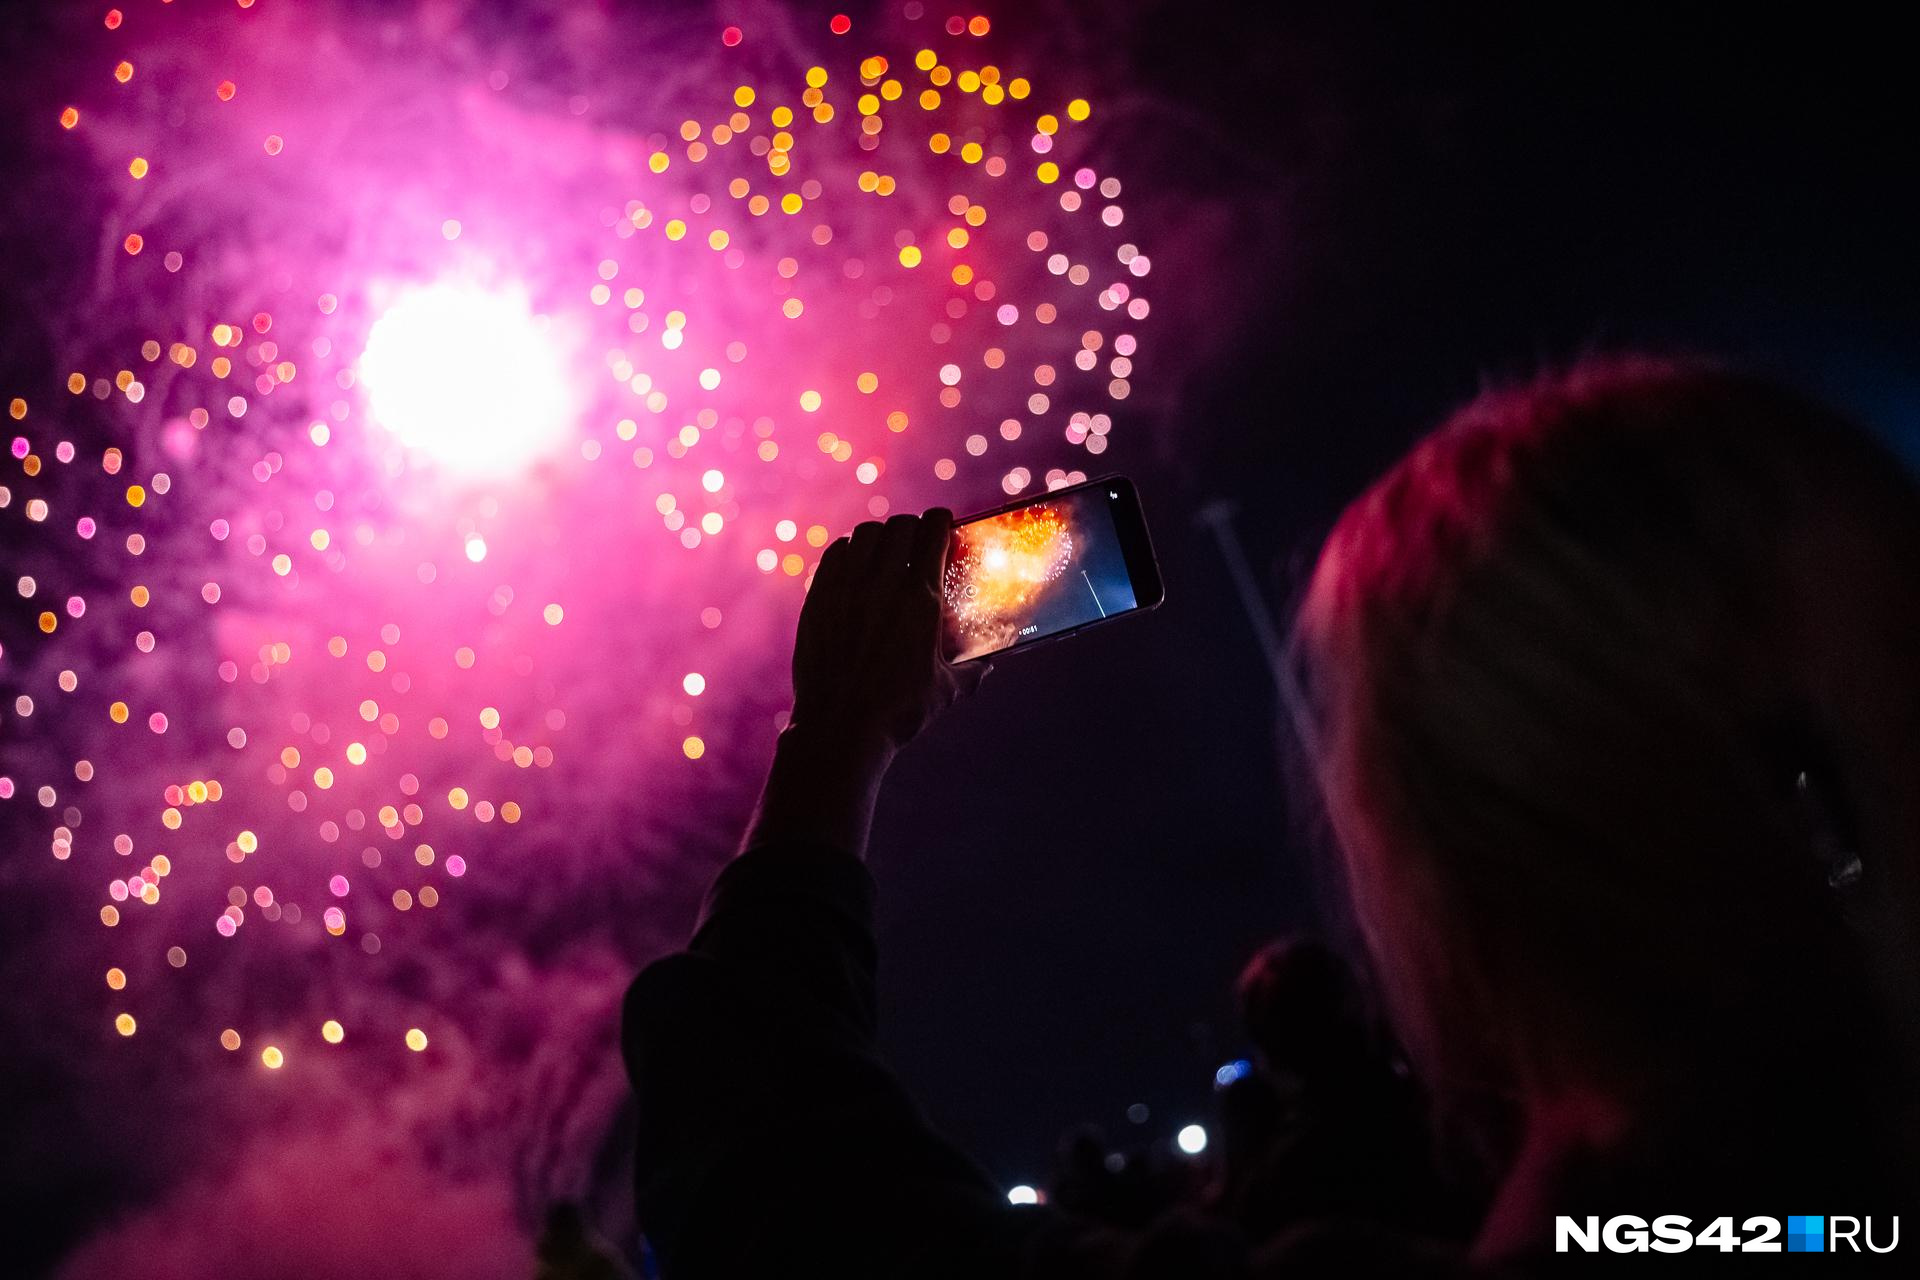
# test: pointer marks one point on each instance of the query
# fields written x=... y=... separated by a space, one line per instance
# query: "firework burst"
x=446 y=426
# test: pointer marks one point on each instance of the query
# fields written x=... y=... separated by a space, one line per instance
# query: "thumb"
x=970 y=676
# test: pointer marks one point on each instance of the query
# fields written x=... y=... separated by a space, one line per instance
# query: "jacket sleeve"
x=771 y=1139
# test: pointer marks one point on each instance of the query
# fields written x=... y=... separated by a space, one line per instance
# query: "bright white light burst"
x=469 y=376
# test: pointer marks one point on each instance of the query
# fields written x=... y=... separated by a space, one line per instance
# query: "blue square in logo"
x=1806 y=1235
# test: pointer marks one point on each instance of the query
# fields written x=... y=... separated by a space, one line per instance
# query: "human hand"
x=867 y=668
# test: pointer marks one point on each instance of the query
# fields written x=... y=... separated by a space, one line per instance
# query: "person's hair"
x=1571 y=677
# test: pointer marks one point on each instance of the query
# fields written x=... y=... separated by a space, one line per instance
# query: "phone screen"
x=1070 y=560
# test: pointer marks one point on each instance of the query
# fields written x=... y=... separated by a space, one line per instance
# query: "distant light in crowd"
x=1192 y=1139
x=1235 y=1070
x=1023 y=1194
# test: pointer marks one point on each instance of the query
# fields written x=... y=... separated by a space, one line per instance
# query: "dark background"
x=1074 y=866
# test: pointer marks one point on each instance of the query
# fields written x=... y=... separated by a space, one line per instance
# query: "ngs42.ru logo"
x=1672 y=1233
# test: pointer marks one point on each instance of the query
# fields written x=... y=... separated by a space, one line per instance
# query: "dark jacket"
x=772 y=1142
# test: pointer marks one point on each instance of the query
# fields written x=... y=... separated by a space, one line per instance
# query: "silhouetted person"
x=1084 y=1183
x=1304 y=1012
x=1121 y=1188
x=1611 y=690
x=1252 y=1116
x=1327 y=1127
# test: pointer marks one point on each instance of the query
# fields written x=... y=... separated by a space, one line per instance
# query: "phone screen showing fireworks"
x=1047 y=567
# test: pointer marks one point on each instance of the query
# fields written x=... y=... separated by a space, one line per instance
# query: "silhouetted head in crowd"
x=1607 y=685
x=1303 y=1009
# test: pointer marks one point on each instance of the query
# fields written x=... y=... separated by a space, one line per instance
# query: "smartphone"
x=1047 y=567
